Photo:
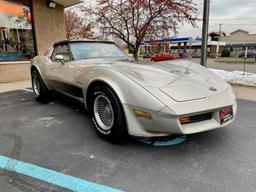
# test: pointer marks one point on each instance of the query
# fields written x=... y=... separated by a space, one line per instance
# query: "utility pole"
x=190 y=45
x=204 y=49
x=218 y=45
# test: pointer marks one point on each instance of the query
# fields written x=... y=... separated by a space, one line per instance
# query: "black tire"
x=42 y=94
x=117 y=132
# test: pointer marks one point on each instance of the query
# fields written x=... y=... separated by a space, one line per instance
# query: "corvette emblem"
x=212 y=89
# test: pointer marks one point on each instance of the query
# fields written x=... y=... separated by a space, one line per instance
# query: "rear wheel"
x=40 y=90
x=107 y=114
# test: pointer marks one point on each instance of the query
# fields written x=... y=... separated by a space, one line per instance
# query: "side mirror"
x=59 y=58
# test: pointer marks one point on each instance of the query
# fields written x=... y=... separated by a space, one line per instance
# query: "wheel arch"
x=108 y=84
x=36 y=68
x=33 y=68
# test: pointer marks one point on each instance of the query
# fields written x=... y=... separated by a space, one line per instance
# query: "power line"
x=236 y=19
x=214 y=25
x=251 y=24
x=239 y=24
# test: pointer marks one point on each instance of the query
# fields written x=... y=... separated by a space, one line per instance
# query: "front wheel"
x=40 y=90
x=107 y=115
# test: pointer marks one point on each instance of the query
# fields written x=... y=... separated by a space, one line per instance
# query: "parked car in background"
x=123 y=97
x=250 y=54
x=163 y=57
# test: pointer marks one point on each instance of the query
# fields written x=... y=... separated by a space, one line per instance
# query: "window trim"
x=72 y=58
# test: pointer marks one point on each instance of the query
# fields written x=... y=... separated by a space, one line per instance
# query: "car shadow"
x=214 y=139
x=70 y=103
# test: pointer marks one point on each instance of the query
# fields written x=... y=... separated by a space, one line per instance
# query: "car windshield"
x=89 y=50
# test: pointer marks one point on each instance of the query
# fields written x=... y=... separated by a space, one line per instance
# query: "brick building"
x=238 y=40
x=28 y=28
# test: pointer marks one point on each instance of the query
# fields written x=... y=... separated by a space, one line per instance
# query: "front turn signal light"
x=185 y=120
x=140 y=113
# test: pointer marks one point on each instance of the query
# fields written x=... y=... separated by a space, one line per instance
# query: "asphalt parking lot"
x=59 y=136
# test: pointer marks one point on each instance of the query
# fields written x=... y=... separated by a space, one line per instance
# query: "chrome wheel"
x=36 y=85
x=103 y=112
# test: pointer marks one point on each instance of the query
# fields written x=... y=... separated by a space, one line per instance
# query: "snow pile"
x=237 y=77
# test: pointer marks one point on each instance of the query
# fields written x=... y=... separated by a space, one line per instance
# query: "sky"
x=232 y=14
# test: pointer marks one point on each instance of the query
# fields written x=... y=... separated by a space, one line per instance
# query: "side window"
x=61 y=50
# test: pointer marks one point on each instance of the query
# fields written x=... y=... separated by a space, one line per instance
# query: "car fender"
x=128 y=91
x=37 y=63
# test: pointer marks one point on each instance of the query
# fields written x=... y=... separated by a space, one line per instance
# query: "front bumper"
x=167 y=121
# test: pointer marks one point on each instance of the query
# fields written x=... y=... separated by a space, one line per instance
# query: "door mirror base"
x=59 y=58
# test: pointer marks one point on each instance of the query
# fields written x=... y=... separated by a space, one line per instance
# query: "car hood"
x=181 y=80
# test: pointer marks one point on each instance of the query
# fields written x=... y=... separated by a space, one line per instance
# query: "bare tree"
x=132 y=21
x=76 y=26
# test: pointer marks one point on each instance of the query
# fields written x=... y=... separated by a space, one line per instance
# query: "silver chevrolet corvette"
x=123 y=97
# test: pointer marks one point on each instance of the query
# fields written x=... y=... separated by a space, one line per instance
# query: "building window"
x=16 y=36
